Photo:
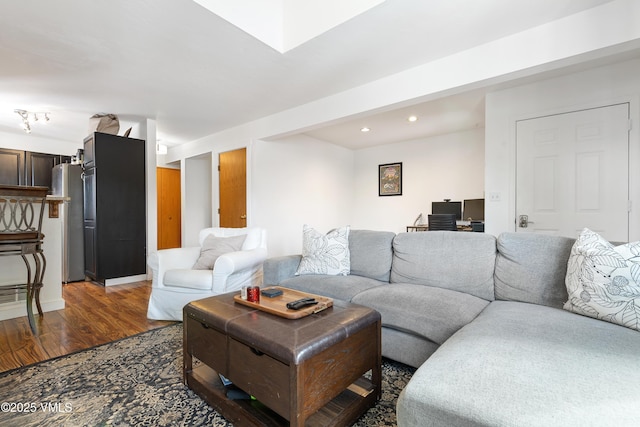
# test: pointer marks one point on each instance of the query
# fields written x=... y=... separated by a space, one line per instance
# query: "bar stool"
x=21 y=212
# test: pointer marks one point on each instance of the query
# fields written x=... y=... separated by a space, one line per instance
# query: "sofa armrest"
x=280 y=268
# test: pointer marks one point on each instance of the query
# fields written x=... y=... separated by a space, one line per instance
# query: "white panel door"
x=573 y=172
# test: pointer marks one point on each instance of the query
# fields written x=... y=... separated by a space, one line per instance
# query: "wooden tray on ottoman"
x=278 y=305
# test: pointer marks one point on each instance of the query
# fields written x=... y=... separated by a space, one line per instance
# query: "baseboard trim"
x=125 y=280
x=19 y=308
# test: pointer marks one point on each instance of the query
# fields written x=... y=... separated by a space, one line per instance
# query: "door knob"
x=243 y=216
x=523 y=221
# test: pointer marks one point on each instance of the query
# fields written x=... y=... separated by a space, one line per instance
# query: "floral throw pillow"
x=603 y=280
x=325 y=253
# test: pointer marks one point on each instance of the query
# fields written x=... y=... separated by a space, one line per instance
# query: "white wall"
x=300 y=180
x=29 y=142
x=290 y=182
x=196 y=188
x=442 y=167
x=148 y=133
x=593 y=88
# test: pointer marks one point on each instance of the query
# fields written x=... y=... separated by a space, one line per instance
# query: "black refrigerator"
x=114 y=207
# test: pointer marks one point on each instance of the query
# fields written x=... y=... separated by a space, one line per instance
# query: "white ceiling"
x=196 y=74
x=453 y=113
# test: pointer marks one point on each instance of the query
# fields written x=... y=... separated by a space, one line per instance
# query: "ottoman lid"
x=291 y=341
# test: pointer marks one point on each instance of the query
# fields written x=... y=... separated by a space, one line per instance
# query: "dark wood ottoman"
x=307 y=371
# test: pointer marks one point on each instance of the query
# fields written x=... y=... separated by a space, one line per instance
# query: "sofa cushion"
x=458 y=261
x=531 y=268
x=371 y=253
x=325 y=253
x=430 y=312
x=406 y=348
x=603 y=281
x=338 y=287
x=523 y=364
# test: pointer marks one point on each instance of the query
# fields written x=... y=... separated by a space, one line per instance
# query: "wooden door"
x=233 y=188
x=572 y=173
x=169 y=209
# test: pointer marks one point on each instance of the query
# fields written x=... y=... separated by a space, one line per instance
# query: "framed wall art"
x=390 y=179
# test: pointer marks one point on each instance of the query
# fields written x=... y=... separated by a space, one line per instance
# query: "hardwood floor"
x=93 y=315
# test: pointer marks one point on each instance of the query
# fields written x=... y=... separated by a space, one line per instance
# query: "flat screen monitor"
x=447 y=208
x=473 y=210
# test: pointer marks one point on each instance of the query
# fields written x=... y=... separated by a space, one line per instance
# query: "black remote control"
x=298 y=304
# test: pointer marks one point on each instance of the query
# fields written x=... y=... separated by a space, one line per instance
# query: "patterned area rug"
x=135 y=381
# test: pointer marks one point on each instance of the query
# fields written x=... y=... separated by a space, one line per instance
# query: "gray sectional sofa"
x=482 y=320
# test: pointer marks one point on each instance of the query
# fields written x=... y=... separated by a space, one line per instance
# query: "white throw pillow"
x=603 y=280
x=213 y=247
x=325 y=253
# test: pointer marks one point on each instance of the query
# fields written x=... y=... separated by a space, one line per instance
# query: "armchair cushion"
x=213 y=247
x=191 y=279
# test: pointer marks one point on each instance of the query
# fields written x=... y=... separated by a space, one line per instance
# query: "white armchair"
x=175 y=283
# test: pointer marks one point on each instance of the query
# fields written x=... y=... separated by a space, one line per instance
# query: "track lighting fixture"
x=24 y=115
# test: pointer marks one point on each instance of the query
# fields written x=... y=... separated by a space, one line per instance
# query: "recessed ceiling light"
x=412 y=118
x=365 y=129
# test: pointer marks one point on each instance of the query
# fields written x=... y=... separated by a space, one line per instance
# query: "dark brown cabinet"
x=11 y=167
x=39 y=165
x=19 y=167
x=114 y=207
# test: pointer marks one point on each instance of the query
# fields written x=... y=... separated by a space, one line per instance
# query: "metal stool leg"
x=29 y=285
x=38 y=280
